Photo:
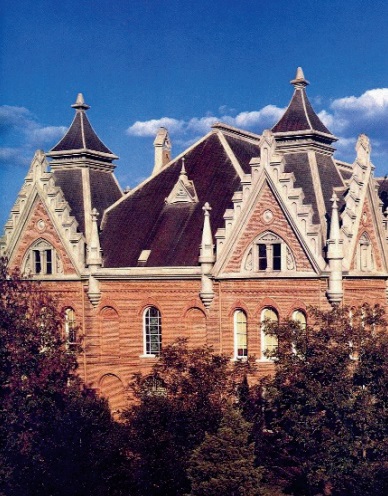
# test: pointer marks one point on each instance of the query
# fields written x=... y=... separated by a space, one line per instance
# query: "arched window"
x=152 y=324
x=268 y=343
x=300 y=317
x=240 y=334
x=269 y=253
x=41 y=259
x=70 y=328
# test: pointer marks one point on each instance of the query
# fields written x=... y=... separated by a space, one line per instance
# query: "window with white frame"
x=152 y=322
x=240 y=334
x=269 y=343
x=41 y=259
x=269 y=253
x=70 y=328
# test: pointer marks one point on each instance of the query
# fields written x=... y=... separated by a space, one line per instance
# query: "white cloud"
x=369 y=104
x=149 y=128
x=48 y=134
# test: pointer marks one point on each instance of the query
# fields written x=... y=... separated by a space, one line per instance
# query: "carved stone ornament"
x=40 y=225
x=267 y=216
x=249 y=261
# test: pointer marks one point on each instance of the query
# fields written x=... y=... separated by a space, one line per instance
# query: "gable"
x=266 y=219
x=39 y=229
x=367 y=241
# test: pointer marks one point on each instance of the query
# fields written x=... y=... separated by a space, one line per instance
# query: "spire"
x=81 y=142
x=94 y=249
x=300 y=121
x=335 y=256
x=94 y=261
x=206 y=259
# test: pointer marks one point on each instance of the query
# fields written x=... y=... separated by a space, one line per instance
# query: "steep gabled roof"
x=172 y=232
x=300 y=116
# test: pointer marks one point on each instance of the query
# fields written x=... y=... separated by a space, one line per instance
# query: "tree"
x=56 y=436
x=225 y=461
x=327 y=405
x=181 y=400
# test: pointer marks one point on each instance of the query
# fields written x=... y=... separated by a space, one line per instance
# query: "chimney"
x=162 y=145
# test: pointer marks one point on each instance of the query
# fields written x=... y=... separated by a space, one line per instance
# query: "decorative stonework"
x=268 y=216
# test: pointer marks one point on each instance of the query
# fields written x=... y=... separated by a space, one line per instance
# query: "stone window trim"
x=41 y=260
x=240 y=332
x=268 y=253
x=152 y=332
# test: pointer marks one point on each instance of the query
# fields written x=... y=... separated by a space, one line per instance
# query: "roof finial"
x=80 y=103
x=299 y=81
x=183 y=169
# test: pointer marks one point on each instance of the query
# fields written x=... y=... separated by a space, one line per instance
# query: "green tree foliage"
x=327 y=406
x=176 y=405
x=225 y=461
x=56 y=438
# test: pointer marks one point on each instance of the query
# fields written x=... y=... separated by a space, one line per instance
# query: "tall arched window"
x=152 y=324
x=268 y=343
x=70 y=327
x=240 y=334
x=300 y=317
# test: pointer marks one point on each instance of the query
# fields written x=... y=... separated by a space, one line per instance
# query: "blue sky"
x=141 y=64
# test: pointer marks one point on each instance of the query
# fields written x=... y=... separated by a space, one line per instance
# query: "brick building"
x=237 y=228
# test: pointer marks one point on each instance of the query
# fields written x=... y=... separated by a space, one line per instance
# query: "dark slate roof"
x=300 y=116
x=143 y=221
x=329 y=176
x=243 y=150
x=81 y=136
x=298 y=163
x=103 y=189
x=383 y=191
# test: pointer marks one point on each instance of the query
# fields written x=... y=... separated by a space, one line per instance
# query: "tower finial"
x=299 y=81
x=80 y=103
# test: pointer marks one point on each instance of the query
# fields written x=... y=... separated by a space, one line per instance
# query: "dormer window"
x=41 y=259
x=269 y=253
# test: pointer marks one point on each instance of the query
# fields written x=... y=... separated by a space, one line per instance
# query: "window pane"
x=49 y=263
x=241 y=345
x=268 y=343
x=262 y=256
x=37 y=262
x=277 y=257
x=153 y=331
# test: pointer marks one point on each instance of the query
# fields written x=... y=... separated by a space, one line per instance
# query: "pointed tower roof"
x=81 y=139
x=300 y=117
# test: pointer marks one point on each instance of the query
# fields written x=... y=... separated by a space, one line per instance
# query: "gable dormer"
x=183 y=190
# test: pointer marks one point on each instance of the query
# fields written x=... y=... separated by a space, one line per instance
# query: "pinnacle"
x=299 y=81
x=80 y=103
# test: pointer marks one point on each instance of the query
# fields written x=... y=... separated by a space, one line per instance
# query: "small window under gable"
x=269 y=253
x=364 y=256
x=41 y=260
